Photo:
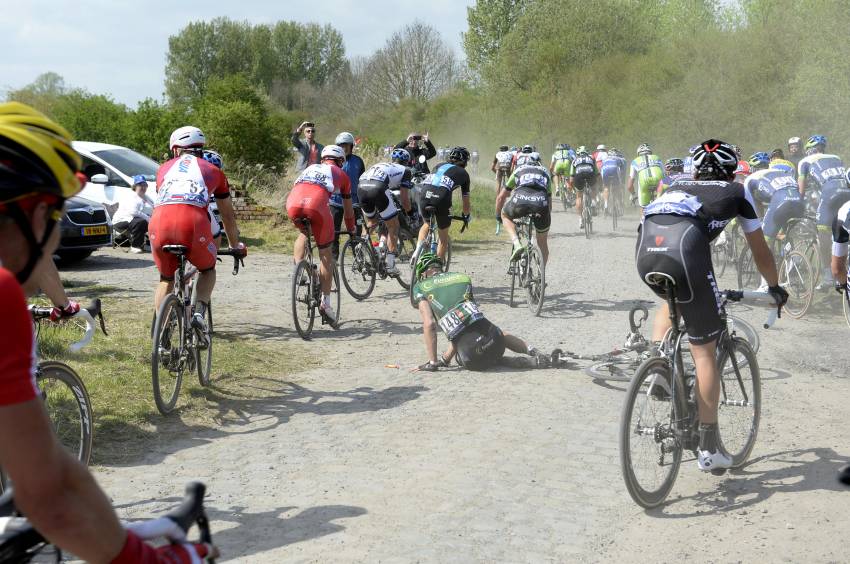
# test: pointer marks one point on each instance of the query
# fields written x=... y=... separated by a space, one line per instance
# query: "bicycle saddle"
x=175 y=249
x=659 y=279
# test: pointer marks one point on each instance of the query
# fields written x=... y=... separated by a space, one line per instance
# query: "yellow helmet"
x=36 y=156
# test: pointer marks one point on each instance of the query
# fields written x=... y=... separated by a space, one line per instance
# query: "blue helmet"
x=759 y=160
x=401 y=156
x=816 y=142
x=213 y=158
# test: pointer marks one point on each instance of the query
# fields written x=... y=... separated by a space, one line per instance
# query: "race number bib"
x=183 y=191
x=461 y=316
x=320 y=175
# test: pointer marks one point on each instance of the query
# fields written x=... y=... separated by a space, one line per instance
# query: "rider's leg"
x=392 y=241
x=661 y=322
x=326 y=270
x=299 y=249
x=580 y=207
x=164 y=288
x=708 y=381
x=442 y=245
x=543 y=243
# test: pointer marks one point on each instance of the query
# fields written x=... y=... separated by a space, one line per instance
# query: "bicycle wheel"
x=303 y=306
x=514 y=275
x=68 y=406
x=563 y=196
x=413 y=278
x=535 y=279
x=358 y=264
x=203 y=356
x=846 y=300
x=614 y=204
x=615 y=369
x=748 y=274
x=740 y=400
x=796 y=275
x=168 y=360
x=718 y=257
x=336 y=296
x=650 y=454
x=585 y=213
x=402 y=261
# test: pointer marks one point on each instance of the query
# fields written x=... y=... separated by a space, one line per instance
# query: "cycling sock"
x=708 y=437
x=326 y=300
x=515 y=241
x=498 y=218
x=201 y=308
x=390 y=260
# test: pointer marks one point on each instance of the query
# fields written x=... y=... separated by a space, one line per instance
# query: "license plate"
x=95 y=230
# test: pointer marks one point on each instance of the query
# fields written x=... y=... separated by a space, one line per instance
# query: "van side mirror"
x=100 y=179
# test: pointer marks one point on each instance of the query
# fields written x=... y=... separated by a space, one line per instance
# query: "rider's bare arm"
x=466 y=204
x=429 y=330
x=228 y=217
x=839 y=269
x=762 y=256
x=57 y=493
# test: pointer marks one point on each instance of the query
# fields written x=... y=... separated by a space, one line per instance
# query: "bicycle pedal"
x=718 y=471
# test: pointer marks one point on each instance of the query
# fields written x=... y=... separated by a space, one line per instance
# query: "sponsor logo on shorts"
x=717 y=297
x=657 y=249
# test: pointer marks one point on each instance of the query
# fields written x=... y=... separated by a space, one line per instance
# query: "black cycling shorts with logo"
x=530 y=201
x=375 y=197
x=438 y=198
x=480 y=346
x=678 y=246
x=582 y=181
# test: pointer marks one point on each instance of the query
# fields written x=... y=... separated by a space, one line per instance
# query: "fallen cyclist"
x=445 y=299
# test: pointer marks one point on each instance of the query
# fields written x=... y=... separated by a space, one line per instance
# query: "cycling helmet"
x=187 y=137
x=560 y=147
x=794 y=141
x=514 y=148
x=458 y=155
x=777 y=154
x=581 y=149
x=567 y=147
x=715 y=160
x=37 y=163
x=400 y=156
x=644 y=149
x=601 y=147
x=503 y=147
x=527 y=148
x=427 y=260
x=674 y=165
x=343 y=138
x=816 y=142
x=615 y=152
x=759 y=160
x=213 y=158
x=534 y=158
x=334 y=152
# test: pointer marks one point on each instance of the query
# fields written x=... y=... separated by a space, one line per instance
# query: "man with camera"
x=309 y=151
x=417 y=144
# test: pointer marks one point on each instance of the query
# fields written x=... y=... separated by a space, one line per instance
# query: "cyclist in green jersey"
x=561 y=167
x=445 y=300
x=648 y=170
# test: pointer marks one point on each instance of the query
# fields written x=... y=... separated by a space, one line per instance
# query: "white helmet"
x=534 y=157
x=794 y=141
x=601 y=148
x=344 y=137
x=333 y=152
x=186 y=137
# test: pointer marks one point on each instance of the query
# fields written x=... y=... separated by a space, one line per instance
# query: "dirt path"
x=357 y=462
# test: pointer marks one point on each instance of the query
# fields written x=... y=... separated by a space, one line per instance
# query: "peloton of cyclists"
x=530 y=195
x=675 y=236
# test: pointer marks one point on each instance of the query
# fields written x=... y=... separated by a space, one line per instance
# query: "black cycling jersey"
x=530 y=176
x=713 y=202
x=449 y=177
x=425 y=148
x=841 y=225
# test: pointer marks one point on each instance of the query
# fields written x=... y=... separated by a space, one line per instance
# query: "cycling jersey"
x=777 y=188
x=599 y=157
x=376 y=185
x=647 y=171
x=523 y=159
x=613 y=169
x=689 y=166
x=822 y=169
x=560 y=156
x=530 y=176
x=450 y=296
x=762 y=184
x=389 y=175
x=309 y=199
x=504 y=160
x=17 y=362
x=584 y=171
x=668 y=181
x=449 y=177
x=714 y=203
x=190 y=180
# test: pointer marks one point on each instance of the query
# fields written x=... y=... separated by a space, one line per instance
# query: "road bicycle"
x=725 y=250
x=363 y=260
x=615 y=204
x=179 y=346
x=588 y=209
x=659 y=418
x=565 y=194
x=21 y=543
x=431 y=242
x=527 y=270
x=307 y=290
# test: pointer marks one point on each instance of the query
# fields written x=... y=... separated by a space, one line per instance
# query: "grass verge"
x=247 y=372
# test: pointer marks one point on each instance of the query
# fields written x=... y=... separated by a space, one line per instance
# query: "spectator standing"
x=795 y=151
x=418 y=144
x=353 y=167
x=309 y=151
x=130 y=215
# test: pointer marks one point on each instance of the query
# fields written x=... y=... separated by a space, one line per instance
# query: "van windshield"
x=129 y=162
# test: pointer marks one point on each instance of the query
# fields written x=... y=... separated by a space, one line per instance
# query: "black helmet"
x=528 y=148
x=674 y=165
x=503 y=147
x=458 y=155
x=715 y=160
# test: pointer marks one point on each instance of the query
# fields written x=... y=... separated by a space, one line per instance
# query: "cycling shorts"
x=309 y=201
x=833 y=195
x=679 y=246
x=611 y=176
x=480 y=346
x=181 y=224
x=376 y=198
x=783 y=207
x=441 y=200
x=529 y=201
x=580 y=182
x=562 y=168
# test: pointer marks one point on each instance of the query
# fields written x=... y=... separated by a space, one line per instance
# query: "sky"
x=118 y=47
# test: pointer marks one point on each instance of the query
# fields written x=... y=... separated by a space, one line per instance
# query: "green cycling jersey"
x=449 y=295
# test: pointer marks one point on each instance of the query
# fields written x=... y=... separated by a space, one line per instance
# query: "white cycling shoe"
x=711 y=461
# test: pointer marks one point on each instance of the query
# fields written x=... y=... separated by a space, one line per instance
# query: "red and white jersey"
x=327 y=176
x=190 y=180
x=599 y=156
x=17 y=359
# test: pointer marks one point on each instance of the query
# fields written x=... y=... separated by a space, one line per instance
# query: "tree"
x=42 y=93
x=489 y=21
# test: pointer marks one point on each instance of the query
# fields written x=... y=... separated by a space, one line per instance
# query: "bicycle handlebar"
x=739 y=295
x=238 y=259
x=88 y=314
